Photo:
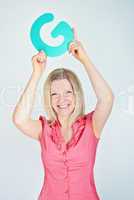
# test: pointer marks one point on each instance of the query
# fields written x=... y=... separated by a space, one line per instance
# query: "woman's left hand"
x=77 y=50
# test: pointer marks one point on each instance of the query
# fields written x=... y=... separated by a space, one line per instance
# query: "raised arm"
x=22 y=113
x=101 y=88
x=104 y=96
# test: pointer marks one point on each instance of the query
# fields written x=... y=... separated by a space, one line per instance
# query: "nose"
x=62 y=98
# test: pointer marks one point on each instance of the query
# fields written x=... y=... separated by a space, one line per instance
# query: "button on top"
x=64 y=152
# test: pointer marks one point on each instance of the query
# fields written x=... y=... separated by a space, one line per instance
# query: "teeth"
x=63 y=106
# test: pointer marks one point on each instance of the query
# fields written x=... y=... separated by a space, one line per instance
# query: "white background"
x=106 y=30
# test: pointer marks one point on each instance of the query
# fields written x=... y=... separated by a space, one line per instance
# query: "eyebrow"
x=65 y=90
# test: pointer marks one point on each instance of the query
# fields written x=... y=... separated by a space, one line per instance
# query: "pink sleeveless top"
x=68 y=167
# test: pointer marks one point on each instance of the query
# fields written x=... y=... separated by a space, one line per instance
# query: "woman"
x=69 y=137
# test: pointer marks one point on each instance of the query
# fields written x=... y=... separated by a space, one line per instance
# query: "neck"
x=64 y=122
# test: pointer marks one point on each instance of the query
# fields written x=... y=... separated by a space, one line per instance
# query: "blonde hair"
x=58 y=74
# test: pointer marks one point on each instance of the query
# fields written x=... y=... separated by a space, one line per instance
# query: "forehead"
x=60 y=84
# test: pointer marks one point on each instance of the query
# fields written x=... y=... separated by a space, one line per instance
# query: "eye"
x=53 y=94
x=69 y=91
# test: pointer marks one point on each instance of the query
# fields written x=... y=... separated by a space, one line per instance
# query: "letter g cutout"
x=62 y=28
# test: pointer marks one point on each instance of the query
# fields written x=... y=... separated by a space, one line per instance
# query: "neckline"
x=57 y=122
x=76 y=132
x=62 y=137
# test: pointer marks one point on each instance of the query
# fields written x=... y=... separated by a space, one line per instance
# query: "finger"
x=75 y=46
x=42 y=53
x=71 y=49
x=75 y=34
x=40 y=60
x=74 y=50
x=70 y=46
x=41 y=57
x=75 y=39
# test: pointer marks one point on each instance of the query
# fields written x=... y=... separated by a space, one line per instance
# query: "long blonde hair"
x=58 y=74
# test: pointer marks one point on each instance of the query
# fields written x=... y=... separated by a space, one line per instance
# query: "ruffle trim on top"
x=77 y=127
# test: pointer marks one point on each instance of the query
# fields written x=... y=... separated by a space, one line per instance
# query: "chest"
x=66 y=134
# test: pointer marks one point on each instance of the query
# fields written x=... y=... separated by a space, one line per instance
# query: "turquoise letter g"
x=62 y=28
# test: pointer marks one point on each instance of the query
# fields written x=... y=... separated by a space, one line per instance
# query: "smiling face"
x=62 y=98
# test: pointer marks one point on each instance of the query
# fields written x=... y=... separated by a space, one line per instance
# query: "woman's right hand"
x=39 y=63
